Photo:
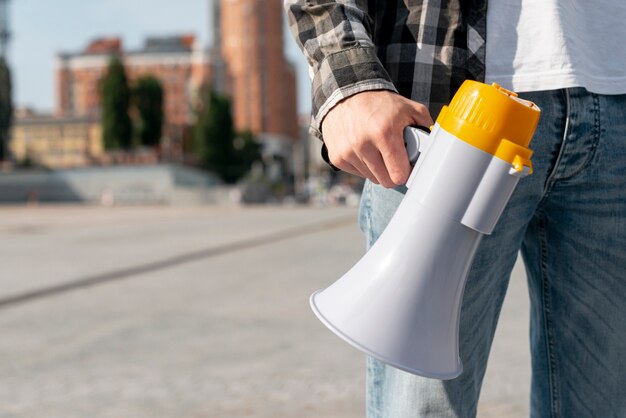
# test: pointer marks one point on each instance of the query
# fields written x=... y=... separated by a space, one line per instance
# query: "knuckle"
x=420 y=107
x=336 y=158
x=417 y=109
x=360 y=146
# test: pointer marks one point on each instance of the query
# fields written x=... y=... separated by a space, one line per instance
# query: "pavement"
x=195 y=312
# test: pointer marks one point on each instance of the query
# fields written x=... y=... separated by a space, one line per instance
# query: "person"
x=380 y=65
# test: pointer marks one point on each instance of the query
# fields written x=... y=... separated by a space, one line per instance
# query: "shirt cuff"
x=344 y=74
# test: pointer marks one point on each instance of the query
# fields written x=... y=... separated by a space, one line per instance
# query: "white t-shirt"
x=550 y=44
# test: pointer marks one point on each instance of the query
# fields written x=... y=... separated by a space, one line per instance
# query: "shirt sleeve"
x=336 y=39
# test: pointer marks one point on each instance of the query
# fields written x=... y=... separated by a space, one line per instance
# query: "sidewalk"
x=194 y=312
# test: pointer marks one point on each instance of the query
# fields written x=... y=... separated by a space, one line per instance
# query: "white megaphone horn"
x=401 y=302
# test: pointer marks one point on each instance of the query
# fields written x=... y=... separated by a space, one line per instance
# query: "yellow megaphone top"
x=494 y=120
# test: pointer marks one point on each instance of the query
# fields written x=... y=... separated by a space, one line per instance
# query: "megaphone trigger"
x=415 y=141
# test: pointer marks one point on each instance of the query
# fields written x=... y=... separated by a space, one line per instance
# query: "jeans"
x=568 y=219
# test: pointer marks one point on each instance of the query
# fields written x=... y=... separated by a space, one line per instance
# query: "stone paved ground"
x=193 y=312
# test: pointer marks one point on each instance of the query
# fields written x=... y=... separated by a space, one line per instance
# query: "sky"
x=42 y=28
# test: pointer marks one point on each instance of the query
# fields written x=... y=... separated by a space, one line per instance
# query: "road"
x=194 y=312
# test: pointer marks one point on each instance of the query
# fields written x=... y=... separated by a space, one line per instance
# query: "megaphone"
x=401 y=302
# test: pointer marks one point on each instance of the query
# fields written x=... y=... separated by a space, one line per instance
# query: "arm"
x=355 y=103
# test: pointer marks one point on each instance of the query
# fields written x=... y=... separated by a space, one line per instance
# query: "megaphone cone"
x=401 y=302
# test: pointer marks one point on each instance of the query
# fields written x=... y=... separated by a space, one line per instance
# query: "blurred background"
x=165 y=214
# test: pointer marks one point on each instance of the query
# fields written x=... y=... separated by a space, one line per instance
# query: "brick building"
x=263 y=82
x=180 y=65
x=56 y=142
x=249 y=35
x=246 y=62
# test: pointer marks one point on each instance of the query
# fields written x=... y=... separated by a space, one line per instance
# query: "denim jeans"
x=569 y=220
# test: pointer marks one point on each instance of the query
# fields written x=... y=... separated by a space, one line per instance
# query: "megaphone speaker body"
x=401 y=302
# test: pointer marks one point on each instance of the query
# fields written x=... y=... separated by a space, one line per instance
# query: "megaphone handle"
x=415 y=139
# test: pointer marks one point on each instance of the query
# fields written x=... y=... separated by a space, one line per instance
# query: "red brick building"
x=180 y=65
x=263 y=82
x=246 y=62
x=249 y=36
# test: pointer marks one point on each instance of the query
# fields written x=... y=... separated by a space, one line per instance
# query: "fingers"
x=351 y=163
x=391 y=164
x=370 y=163
x=396 y=160
x=363 y=169
x=364 y=135
x=375 y=163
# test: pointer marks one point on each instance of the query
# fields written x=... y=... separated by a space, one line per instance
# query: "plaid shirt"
x=421 y=49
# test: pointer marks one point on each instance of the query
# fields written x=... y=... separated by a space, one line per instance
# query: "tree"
x=215 y=141
x=116 y=123
x=6 y=107
x=247 y=152
x=148 y=99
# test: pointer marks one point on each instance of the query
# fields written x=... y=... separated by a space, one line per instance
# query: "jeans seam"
x=596 y=138
x=552 y=177
x=547 y=321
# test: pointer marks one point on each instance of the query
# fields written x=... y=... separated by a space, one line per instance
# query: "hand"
x=364 y=135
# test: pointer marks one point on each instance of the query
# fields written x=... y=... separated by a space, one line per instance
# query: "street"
x=195 y=312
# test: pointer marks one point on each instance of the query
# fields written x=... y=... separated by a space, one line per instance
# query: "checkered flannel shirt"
x=421 y=49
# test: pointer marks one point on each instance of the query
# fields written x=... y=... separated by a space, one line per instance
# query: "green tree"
x=148 y=99
x=6 y=107
x=247 y=152
x=215 y=142
x=116 y=123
